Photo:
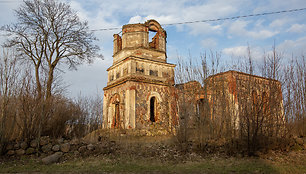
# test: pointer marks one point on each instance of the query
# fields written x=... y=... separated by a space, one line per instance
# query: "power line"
x=105 y=29
x=214 y=20
x=237 y=17
x=218 y=19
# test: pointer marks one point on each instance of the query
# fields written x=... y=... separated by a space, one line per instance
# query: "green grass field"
x=295 y=163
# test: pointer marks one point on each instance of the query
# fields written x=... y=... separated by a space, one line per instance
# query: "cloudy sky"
x=229 y=37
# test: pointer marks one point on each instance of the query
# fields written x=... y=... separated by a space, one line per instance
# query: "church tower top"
x=136 y=41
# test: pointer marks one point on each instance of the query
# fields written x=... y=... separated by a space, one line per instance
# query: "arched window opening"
x=153 y=42
x=151 y=35
x=152 y=109
x=200 y=107
x=117 y=115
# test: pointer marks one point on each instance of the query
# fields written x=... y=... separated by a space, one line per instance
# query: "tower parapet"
x=135 y=42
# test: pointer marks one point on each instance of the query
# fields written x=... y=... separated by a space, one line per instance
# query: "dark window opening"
x=117 y=75
x=139 y=70
x=153 y=73
x=152 y=109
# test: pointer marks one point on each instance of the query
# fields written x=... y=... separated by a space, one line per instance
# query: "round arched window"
x=152 y=109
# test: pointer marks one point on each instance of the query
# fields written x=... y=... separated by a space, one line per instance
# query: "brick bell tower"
x=140 y=87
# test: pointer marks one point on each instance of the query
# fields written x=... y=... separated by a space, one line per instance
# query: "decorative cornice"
x=138 y=79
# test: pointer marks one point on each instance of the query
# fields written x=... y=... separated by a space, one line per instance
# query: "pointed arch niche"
x=114 y=111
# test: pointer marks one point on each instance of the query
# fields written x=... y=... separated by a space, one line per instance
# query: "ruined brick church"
x=141 y=93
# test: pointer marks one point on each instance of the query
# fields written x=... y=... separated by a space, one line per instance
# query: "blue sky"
x=229 y=37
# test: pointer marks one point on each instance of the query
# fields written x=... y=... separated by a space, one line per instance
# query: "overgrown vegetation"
x=24 y=117
x=140 y=159
x=262 y=125
x=47 y=33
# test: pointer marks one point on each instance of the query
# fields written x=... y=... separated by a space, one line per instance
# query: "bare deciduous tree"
x=295 y=95
x=48 y=33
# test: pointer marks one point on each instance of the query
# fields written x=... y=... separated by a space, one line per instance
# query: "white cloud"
x=136 y=19
x=242 y=51
x=209 y=43
x=161 y=19
x=98 y=19
x=204 y=28
x=296 y=47
x=297 y=28
x=170 y=11
x=276 y=5
x=262 y=34
x=279 y=22
x=238 y=51
x=240 y=28
x=208 y=11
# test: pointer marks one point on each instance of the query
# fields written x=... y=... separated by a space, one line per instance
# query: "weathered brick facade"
x=230 y=100
x=140 y=81
x=238 y=95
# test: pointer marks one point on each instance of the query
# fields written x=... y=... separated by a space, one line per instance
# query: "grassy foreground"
x=281 y=163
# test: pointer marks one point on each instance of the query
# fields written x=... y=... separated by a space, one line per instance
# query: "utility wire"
x=105 y=29
x=237 y=17
x=214 y=20
x=218 y=19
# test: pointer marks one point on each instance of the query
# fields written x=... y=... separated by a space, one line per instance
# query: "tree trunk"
x=49 y=82
x=38 y=84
